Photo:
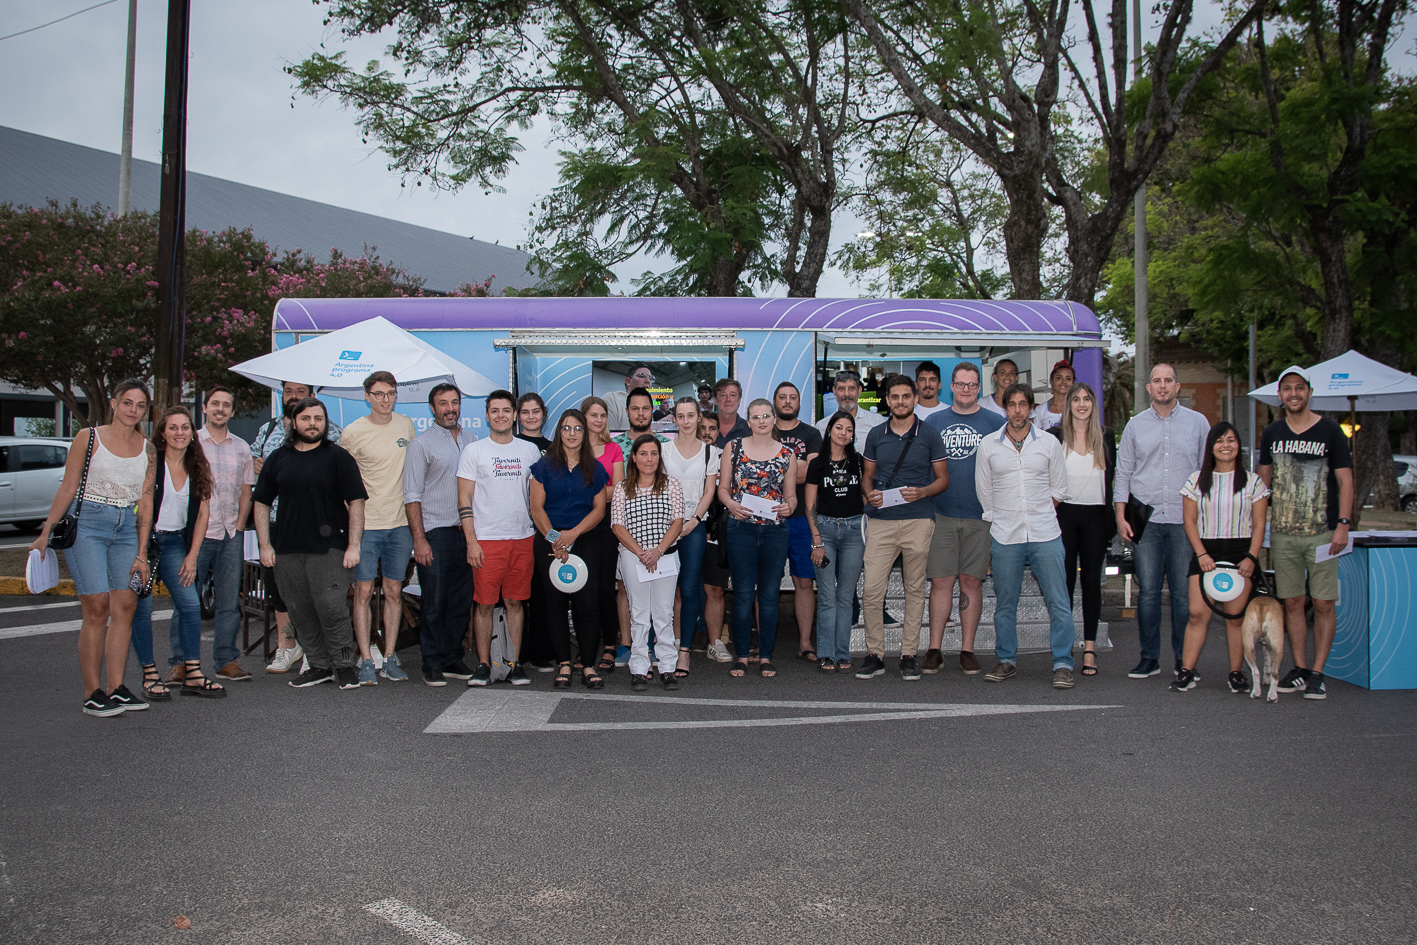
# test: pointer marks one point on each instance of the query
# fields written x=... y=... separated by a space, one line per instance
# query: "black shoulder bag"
x=64 y=531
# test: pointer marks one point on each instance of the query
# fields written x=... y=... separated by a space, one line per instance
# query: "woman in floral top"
x=647 y=514
x=754 y=469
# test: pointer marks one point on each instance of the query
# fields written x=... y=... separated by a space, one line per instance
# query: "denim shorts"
x=391 y=547
x=103 y=553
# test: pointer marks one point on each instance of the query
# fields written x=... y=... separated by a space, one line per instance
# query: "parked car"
x=31 y=468
x=1406 y=482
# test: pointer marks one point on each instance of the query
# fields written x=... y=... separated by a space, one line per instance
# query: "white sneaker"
x=718 y=652
x=285 y=658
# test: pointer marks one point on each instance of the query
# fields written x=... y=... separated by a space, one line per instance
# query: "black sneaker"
x=434 y=677
x=909 y=669
x=129 y=702
x=457 y=669
x=518 y=676
x=639 y=682
x=1185 y=681
x=670 y=681
x=100 y=705
x=1238 y=683
x=313 y=677
x=1314 y=686
x=480 y=676
x=348 y=677
x=871 y=667
x=1294 y=680
x=1144 y=669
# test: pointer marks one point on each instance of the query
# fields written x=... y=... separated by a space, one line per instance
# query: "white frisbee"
x=568 y=576
x=1224 y=584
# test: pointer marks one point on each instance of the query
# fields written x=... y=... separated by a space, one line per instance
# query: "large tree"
x=1007 y=82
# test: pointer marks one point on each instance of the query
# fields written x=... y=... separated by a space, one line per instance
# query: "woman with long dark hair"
x=612 y=458
x=647 y=515
x=1224 y=507
x=694 y=465
x=834 y=509
x=109 y=555
x=567 y=503
x=182 y=492
x=753 y=487
x=1086 y=519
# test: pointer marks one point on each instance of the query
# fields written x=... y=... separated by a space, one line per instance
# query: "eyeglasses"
x=643 y=376
x=575 y=429
x=965 y=385
x=384 y=394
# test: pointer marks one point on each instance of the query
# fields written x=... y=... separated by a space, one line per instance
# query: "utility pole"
x=1142 y=332
x=125 y=160
x=172 y=215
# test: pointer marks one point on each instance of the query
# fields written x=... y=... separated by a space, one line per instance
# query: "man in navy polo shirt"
x=904 y=469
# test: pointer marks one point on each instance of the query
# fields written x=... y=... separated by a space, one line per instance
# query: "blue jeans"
x=1164 y=552
x=187 y=610
x=756 y=555
x=692 y=598
x=222 y=556
x=1046 y=560
x=446 y=603
x=836 y=584
x=102 y=555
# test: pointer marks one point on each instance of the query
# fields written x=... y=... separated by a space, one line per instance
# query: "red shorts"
x=505 y=572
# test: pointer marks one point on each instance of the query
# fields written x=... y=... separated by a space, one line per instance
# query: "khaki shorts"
x=960 y=546
x=1292 y=557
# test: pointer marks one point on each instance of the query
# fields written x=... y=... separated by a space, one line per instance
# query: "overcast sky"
x=66 y=81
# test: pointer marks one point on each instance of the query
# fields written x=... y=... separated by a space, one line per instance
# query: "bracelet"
x=1205 y=554
x=815 y=547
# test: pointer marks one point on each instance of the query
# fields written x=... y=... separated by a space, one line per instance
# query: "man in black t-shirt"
x=805 y=443
x=1306 y=461
x=314 y=544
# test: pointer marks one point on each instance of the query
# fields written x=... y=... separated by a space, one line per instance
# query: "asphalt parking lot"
x=808 y=808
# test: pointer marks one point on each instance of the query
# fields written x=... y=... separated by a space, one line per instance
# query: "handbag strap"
x=84 y=477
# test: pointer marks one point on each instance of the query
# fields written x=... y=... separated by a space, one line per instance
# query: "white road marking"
x=415 y=923
x=16 y=610
x=482 y=711
x=63 y=626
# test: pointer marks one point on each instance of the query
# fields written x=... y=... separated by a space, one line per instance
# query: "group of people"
x=634 y=538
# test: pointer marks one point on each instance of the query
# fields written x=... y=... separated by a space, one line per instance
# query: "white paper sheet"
x=41 y=575
x=667 y=567
x=758 y=506
x=892 y=497
x=1321 y=553
x=251 y=546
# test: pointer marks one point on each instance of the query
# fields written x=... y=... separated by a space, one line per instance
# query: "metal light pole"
x=125 y=160
x=1142 y=332
x=172 y=215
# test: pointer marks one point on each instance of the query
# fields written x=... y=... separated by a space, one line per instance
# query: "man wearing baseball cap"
x=1308 y=465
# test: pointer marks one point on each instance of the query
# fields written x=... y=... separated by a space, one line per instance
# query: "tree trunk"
x=1374 y=476
x=1025 y=228
x=1332 y=251
x=802 y=281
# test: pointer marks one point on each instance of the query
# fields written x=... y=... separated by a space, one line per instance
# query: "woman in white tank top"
x=115 y=518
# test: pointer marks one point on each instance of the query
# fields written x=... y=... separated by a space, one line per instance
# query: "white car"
x=31 y=468
x=1406 y=482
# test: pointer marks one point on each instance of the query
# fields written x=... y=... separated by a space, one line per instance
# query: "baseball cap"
x=1303 y=374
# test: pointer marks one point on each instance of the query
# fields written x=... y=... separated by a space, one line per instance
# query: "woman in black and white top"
x=647 y=514
x=1086 y=519
x=694 y=465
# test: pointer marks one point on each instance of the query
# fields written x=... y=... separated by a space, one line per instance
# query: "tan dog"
x=1264 y=625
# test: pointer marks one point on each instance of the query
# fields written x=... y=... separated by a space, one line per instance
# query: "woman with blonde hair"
x=1086 y=519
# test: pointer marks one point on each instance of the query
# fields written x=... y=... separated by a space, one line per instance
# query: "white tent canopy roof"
x=337 y=363
x=1376 y=386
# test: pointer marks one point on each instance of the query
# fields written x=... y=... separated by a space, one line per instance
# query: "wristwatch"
x=552 y=535
x=1345 y=521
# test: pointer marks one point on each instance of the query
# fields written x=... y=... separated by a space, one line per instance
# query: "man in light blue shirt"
x=1160 y=448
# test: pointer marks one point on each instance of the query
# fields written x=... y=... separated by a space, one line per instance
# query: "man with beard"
x=430 y=496
x=904 y=468
x=640 y=376
x=927 y=381
x=1306 y=461
x=639 y=412
x=805 y=443
x=847 y=388
x=314 y=545
x=233 y=474
x=959 y=548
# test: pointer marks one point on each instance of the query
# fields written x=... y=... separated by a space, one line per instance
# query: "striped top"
x=1225 y=513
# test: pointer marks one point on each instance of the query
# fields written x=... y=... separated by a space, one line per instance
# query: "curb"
x=15 y=586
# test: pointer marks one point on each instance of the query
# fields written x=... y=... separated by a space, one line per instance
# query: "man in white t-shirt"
x=927 y=386
x=847 y=388
x=494 y=476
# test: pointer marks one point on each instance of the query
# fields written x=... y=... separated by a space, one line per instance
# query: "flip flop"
x=809 y=654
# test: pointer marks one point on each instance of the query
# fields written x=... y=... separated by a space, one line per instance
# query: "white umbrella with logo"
x=336 y=364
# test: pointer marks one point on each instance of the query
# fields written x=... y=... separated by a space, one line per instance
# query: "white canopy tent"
x=336 y=364
x=1352 y=382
